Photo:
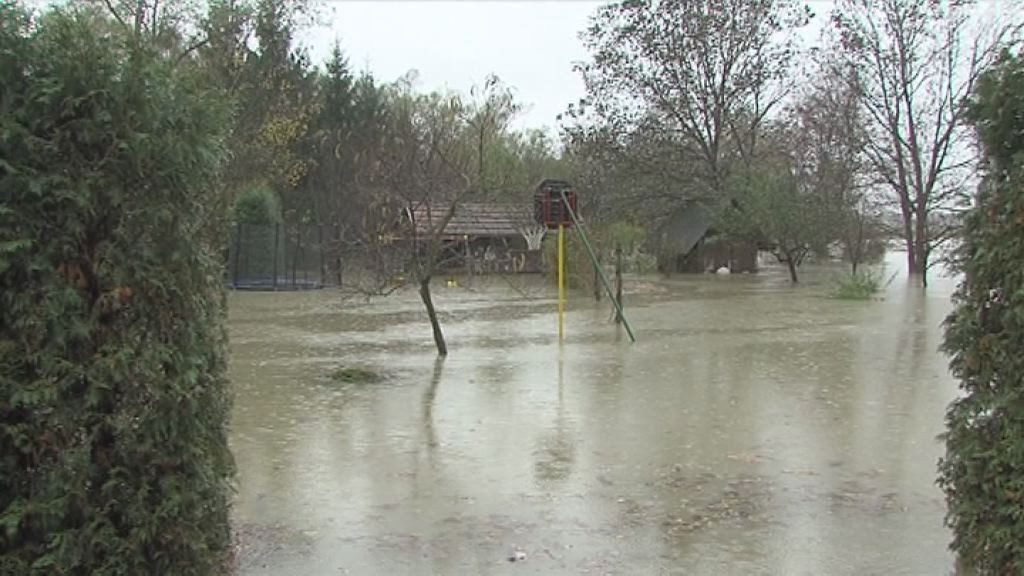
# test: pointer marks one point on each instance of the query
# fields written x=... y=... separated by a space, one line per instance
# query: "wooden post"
x=298 y=251
x=618 y=283
x=238 y=250
x=277 y=233
x=561 y=281
x=337 y=261
x=320 y=247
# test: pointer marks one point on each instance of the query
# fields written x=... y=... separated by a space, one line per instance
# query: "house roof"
x=473 y=219
x=685 y=228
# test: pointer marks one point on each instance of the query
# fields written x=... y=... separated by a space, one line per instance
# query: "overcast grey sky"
x=529 y=45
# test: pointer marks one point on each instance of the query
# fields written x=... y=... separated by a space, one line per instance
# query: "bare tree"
x=916 y=62
x=428 y=161
x=705 y=74
x=488 y=114
x=145 y=17
x=422 y=175
x=828 y=140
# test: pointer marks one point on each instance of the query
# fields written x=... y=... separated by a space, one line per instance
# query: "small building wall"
x=711 y=253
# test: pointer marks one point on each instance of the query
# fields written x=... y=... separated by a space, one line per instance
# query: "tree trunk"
x=919 y=257
x=792 y=268
x=277 y=234
x=337 y=259
x=921 y=244
x=922 y=264
x=140 y=17
x=435 y=325
x=903 y=193
x=908 y=239
x=856 y=249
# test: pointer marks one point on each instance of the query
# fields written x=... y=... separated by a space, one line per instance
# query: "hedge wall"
x=113 y=398
x=983 y=471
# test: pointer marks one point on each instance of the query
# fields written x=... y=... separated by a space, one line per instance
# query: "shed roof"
x=685 y=228
x=473 y=219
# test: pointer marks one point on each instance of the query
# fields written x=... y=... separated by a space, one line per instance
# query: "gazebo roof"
x=473 y=219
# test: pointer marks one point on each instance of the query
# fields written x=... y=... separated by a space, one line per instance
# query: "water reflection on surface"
x=755 y=428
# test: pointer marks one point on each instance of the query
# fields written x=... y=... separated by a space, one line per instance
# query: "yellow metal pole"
x=561 y=280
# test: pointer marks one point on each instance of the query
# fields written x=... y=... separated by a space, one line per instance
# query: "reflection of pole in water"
x=561 y=280
x=561 y=378
x=556 y=453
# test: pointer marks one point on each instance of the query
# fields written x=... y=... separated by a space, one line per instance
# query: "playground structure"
x=555 y=206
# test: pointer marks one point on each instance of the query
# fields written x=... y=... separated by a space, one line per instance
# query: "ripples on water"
x=755 y=428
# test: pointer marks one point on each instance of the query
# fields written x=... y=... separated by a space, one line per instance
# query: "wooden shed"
x=688 y=242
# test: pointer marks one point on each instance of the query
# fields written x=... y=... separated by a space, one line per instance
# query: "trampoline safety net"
x=276 y=257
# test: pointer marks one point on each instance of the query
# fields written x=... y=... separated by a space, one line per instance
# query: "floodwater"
x=754 y=428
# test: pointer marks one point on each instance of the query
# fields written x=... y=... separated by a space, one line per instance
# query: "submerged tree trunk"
x=855 y=246
x=921 y=244
x=908 y=233
x=792 y=269
x=788 y=256
x=435 y=325
x=908 y=239
x=338 y=239
x=922 y=264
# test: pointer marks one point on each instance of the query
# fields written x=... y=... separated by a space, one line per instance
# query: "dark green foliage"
x=113 y=399
x=258 y=205
x=771 y=208
x=273 y=89
x=983 y=471
x=343 y=133
x=998 y=114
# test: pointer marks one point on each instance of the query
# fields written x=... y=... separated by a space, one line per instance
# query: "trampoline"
x=276 y=257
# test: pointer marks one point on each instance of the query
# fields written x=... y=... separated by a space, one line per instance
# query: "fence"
x=276 y=257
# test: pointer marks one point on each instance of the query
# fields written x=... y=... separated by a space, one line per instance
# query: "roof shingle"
x=474 y=219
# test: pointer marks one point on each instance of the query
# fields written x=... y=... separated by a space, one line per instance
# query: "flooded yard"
x=754 y=428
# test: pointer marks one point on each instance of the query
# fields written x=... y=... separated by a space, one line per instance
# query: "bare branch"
x=916 y=76
x=190 y=49
x=113 y=12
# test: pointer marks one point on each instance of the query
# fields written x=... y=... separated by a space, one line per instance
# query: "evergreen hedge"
x=983 y=471
x=113 y=398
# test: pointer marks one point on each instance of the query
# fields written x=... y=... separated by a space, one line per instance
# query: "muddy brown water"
x=755 y=428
